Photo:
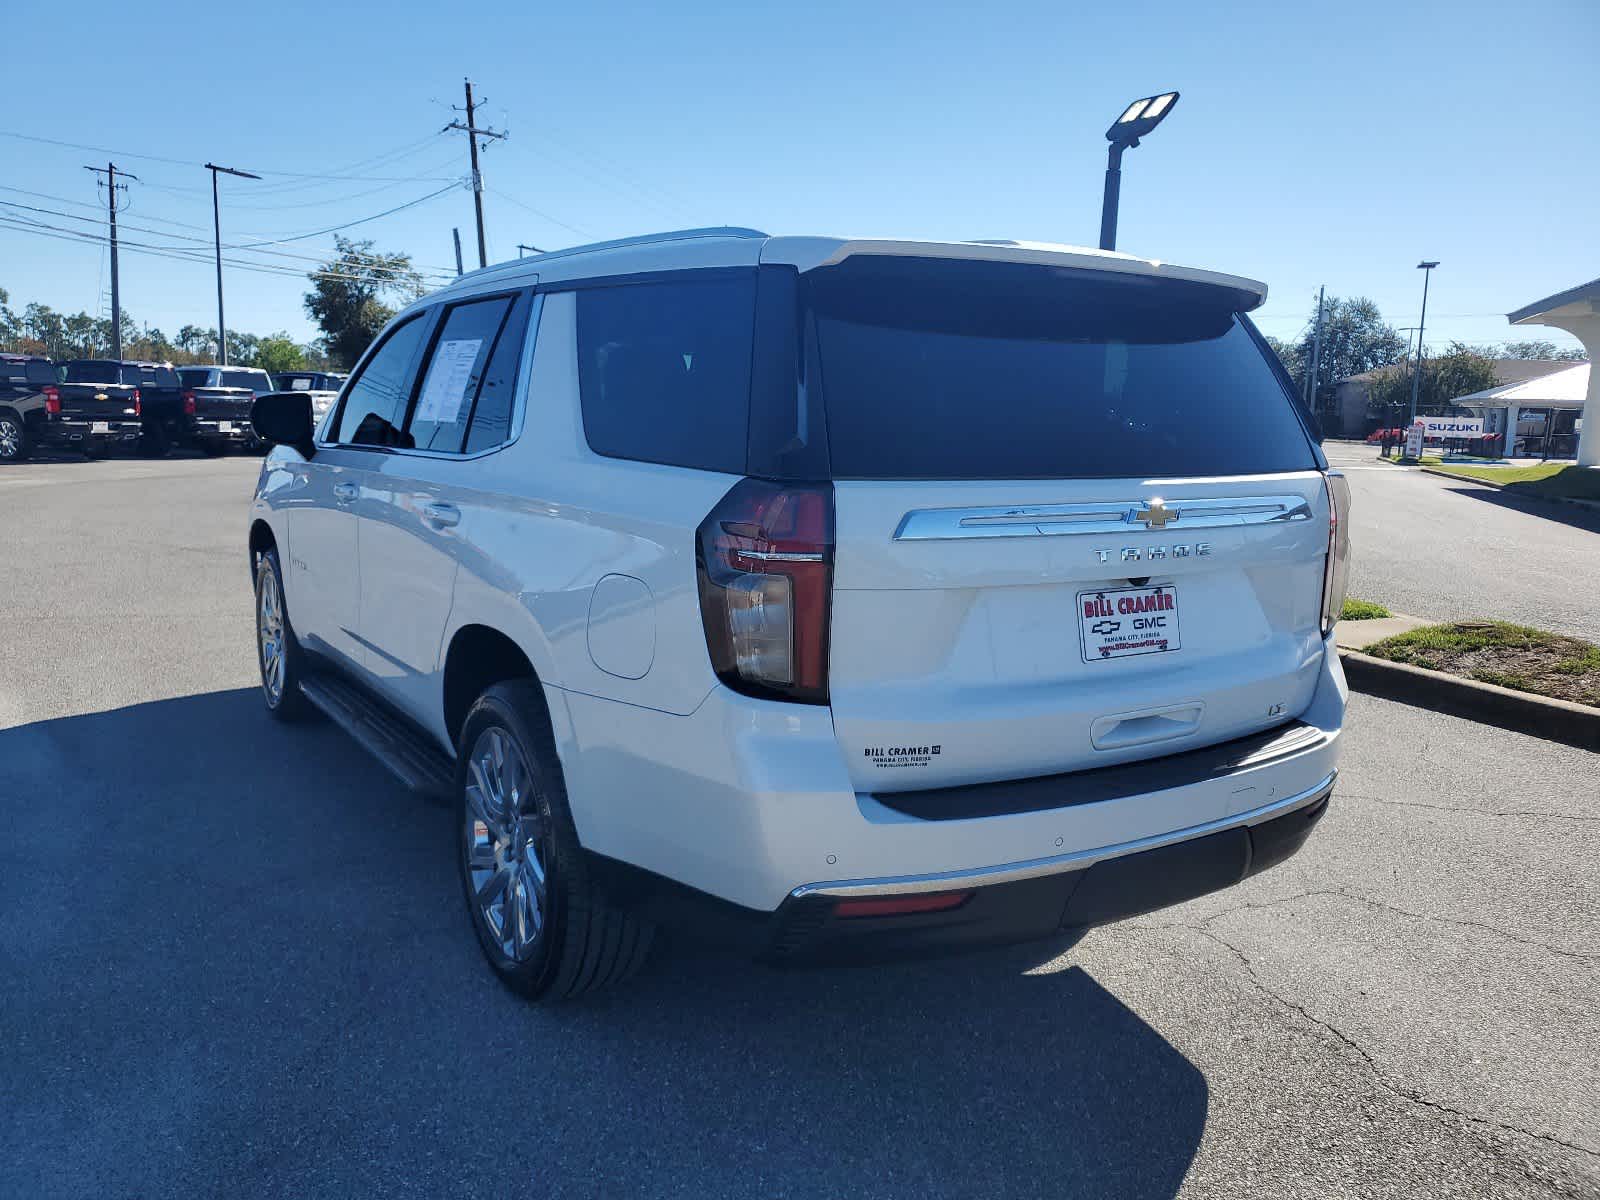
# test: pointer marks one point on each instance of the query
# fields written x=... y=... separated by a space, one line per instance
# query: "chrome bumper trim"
x=1078 y=859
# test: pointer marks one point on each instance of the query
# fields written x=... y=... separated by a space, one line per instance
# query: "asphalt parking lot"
x=1451 y=549
x=233 y=961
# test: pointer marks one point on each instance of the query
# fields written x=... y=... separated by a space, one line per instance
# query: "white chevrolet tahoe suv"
x=841 y=598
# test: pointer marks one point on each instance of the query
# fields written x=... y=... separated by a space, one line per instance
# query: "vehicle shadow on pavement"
x=1550 y=510
x=236 y=962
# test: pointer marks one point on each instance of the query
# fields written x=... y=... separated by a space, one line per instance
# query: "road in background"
x=234 y=960
x=1452 y=549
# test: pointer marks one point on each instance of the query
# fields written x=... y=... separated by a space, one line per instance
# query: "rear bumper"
x=211 y=430
x=1023 y=902
x=70 y=431
x=751 y=802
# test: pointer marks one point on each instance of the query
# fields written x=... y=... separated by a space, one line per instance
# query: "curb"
x=1543 y=717
x=1591 y=505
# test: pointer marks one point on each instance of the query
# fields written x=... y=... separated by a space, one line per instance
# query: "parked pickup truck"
x=222 y=400
x=97 y=406
x=166 y=410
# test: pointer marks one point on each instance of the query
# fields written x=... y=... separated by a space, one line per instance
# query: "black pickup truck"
x=166 y=412
x=97 y=406
x=222 y=397
x=27 y=393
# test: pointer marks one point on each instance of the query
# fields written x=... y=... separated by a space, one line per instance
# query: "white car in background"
x=841 y=598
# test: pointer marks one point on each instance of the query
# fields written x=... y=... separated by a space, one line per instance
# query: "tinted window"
x=40 y=372
x=664 y=370
x=257 y=381
x=195 y=377
x=93 y=372
x=456 y=366
x=160 y=377
x=940 y=370
x=491 y=414
x=375 y=406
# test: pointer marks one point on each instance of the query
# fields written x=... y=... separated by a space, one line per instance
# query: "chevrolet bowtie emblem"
x=1156 y=515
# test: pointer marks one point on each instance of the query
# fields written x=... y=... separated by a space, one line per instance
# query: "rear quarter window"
x=939 y=370
x=664 y=370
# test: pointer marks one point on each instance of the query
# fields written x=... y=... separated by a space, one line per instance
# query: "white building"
x=1577 y=310
x=1544 y=410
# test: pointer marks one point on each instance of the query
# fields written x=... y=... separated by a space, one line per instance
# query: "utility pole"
x=110 y=172
x=473 y=134
x=456 y=233
x=1416 y=375
x=216 y=224
x=1316 y=354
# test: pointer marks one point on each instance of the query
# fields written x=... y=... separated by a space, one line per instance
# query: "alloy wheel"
x=10 y=438
x=270 y=636
x=507 y=845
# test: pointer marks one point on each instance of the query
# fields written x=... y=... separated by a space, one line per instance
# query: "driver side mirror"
x=284 y=419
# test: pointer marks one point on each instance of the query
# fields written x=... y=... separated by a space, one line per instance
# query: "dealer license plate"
x=99 y=426
x=224 y=426
x=1121 y=622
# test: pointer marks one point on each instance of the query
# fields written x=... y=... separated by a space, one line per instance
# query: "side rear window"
x=375 y=406
x=40 y=372
x=967 y=370
x=457 y=369
x=491 y=413
x=664 y=370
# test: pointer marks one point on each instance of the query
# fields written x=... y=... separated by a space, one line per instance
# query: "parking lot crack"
x=1472 y=812
x=1577 y=955
x=1379 y=1075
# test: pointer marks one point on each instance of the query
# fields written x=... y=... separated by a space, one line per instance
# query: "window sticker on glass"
x=299 y=385
x=448 y=377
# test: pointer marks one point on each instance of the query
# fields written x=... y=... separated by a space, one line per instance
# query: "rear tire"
x=542 y=921
x=278 y=652
x=15 y=444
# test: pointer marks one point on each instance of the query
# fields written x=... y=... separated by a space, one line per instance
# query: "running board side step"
x=390 y=738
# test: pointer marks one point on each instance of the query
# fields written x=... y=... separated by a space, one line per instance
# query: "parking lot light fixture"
x=1416 y=373
x=1138 y=119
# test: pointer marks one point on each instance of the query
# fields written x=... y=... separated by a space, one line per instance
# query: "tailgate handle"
x=1118 y=730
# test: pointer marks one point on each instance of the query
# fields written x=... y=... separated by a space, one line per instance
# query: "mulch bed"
x=1513 y=656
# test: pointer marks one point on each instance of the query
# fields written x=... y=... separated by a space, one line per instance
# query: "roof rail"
x=675 y=235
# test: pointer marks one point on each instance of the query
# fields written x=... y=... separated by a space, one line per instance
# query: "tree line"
x=1356 y=339
x=347 y=300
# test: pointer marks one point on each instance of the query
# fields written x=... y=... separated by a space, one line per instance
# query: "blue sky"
x=1336 y=143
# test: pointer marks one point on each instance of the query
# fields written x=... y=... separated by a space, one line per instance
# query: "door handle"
x=344 y=492
x=442 y=516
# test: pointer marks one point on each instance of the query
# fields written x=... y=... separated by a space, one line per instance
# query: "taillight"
x=766 y=580
x=188 y=403
x=52 y=399
x=138 y=406
x=1336 y=573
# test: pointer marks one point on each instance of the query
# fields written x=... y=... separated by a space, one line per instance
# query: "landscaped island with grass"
x=1512 y=656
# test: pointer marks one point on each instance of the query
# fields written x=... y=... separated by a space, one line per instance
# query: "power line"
x=428 y=270
x=536 y=212
x=350 y=224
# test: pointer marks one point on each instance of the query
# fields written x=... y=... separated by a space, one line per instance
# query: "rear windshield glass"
x=161 y=377
x=93 y=372
x=256 y=381
x=194 y=377
x=939 y=370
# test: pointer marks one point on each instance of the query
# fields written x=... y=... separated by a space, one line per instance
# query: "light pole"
x=1416 y=374
x=1138 y=119
x=216 y=225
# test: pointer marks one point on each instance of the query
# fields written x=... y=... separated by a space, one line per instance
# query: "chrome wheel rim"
x=10 y=438
x=507 y=850
x=269 y=635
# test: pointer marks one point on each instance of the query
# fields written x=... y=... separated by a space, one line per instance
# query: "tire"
x=284 y=667
x=552 y=942
x=15 y=444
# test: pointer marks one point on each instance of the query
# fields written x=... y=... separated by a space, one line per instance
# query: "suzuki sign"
x=1439 y=428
